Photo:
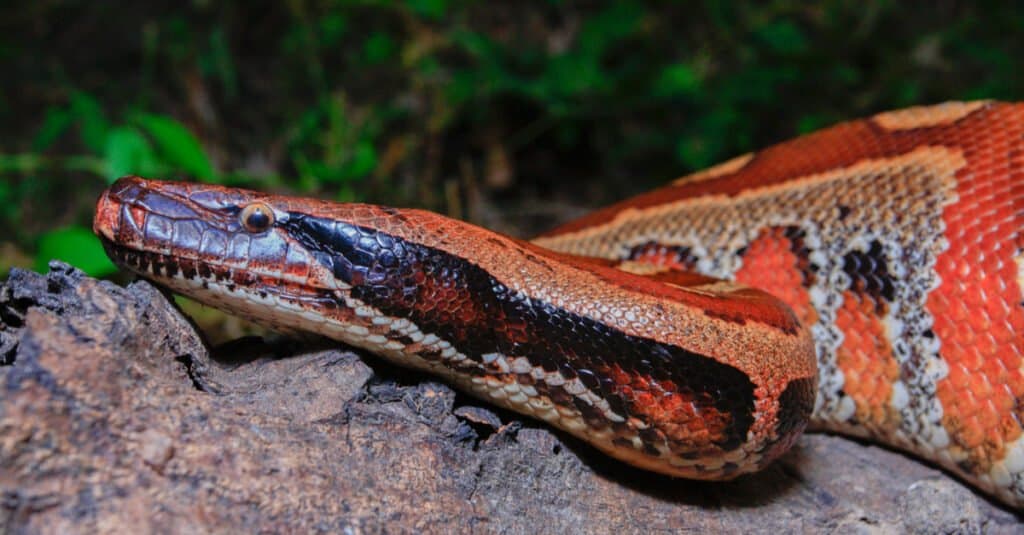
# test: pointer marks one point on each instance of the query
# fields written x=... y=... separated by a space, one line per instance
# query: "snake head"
x=225 y=247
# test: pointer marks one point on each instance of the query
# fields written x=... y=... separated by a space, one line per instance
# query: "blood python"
x=893 y=247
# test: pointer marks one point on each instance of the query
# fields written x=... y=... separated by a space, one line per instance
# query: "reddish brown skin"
x=969 y=244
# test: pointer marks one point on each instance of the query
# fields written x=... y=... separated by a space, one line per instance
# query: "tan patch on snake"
x=725 y=168
x=925 y=116
x=642 y=268
x=1019 y=260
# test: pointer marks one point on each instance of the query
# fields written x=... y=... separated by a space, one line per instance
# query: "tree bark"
x=115 y=417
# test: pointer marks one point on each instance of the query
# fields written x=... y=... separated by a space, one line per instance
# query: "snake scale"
x=865 y=279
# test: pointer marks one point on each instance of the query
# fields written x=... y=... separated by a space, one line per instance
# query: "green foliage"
x=178 y=147
x=6 y=194
x=678 y=79
x=127 y=152
x=333 y=148
x=395 y=102
x=148 y=144
x=428 y=9
x=76 y=246
x=93 y=126
x=378 y=48
x=783 y=37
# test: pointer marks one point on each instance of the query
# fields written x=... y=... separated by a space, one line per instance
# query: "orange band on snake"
x=896 y=241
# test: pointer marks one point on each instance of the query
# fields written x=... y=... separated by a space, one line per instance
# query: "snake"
x=864 y=279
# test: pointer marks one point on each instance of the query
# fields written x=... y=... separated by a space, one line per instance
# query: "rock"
x=938 y=505
x=114 y=416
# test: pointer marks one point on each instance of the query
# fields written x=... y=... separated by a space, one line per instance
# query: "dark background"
x=513 y=114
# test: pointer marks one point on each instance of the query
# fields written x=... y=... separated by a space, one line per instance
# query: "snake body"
x=887 y=255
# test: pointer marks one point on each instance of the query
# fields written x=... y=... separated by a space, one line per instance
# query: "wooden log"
x=115 y=417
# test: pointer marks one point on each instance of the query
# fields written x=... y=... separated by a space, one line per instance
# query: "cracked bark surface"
x=114 y=416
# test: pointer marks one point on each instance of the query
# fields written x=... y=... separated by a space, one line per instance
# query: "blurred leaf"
x=364 y=160
x=177 y=145
x=907 y=92
x=810 y=122
x=378 y=48
x=783 y=37
x=609 y=25
x=430 y=9
x=758 y=84
x=694 y=152
x=428 y=66
x=332 y=28
x=346 y=194
x=93 y=123
x=716 y=129
x=477 y=44
x=573 y=74
x=127 y=152
x=846 y=74
x=55 y=122
x=77 y=246
x=218 y=61
x=462 y=87
x=677 y=79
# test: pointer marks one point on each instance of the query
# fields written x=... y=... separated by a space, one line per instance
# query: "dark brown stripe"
x=795 y=405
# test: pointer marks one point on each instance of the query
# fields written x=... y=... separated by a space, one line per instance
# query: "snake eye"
x=256 y=217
